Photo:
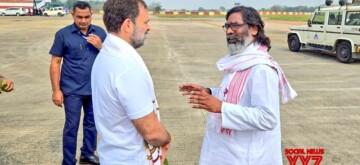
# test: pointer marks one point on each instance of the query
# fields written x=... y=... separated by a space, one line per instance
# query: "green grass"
x=299 y=18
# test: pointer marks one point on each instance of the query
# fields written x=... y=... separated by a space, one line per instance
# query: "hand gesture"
x=200 y=98
x=186 y=89
x=94 y=40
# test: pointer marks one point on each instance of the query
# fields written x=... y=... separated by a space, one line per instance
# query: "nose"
x=229 y=31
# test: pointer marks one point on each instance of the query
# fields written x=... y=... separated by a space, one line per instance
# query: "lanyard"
x=83 y=36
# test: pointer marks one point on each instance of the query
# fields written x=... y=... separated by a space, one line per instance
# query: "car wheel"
x=294 y=43
x=343 y=52
x=17 y=14
x=45 y=14
x=59 y=14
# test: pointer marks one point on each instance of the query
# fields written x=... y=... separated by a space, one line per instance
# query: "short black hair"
x=252 y=18
x=117 y=11
x=81 y=5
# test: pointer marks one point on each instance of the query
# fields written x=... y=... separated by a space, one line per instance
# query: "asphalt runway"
x=325 y=115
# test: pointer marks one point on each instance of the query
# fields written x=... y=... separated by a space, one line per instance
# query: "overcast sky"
x=215 y=4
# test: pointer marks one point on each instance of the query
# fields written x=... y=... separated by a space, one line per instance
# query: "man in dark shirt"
x=76 y=46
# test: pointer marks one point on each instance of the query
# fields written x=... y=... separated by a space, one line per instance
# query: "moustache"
x=233 y=37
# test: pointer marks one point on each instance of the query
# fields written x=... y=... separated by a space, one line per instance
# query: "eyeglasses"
x=233 y=26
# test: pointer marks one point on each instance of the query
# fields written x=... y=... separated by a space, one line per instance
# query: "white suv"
x=55 y=11
x=333 y=29
x=18 y=11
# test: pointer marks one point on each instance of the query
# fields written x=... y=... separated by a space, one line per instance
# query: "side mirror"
x=309 y=23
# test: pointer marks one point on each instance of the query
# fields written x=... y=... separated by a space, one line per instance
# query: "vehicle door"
x=352 y=26
x=316 y=33
x=11 y=11
x=333 y=27
x=55 y=11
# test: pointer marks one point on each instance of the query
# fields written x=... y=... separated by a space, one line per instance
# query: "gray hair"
x=252 y=18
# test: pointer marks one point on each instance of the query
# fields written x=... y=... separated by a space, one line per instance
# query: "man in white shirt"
x=243 y=126
x=123 y=92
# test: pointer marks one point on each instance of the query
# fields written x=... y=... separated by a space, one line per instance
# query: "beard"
x=239 y=45
x=137 y=39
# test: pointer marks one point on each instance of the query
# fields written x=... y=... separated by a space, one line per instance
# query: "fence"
x=209 y=13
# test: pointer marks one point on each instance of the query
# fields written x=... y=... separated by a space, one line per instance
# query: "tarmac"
x=325 y=115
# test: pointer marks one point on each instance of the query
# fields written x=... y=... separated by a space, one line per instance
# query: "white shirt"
x=255 y=138
x=122 y=91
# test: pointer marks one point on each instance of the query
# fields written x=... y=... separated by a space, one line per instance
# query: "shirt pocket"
x=76 y=52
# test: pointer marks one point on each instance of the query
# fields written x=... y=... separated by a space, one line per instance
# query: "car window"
x=335 y=18
x=352 y=18
x=319 y=18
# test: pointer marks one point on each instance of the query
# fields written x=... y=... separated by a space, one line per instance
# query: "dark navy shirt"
x=78 y=57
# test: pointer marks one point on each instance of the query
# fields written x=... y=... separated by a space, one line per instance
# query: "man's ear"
x=127 y=26
x=254 y=30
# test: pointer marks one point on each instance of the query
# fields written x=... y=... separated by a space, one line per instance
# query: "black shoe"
x=93 y=160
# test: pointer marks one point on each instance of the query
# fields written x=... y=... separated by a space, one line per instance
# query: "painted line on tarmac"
x=330 y=89
x=299 y=64
x=337 y=107
x=317 y=82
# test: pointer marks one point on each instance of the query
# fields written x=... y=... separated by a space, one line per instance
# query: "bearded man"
x=243 y=126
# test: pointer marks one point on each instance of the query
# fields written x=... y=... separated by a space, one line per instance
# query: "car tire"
x=60 y=15
x=294 y=43
x=17 y=14
x=3 y=14
x=344 y=53
x=45 y=14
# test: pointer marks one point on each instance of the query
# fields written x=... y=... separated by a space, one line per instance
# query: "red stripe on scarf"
x=237 y=85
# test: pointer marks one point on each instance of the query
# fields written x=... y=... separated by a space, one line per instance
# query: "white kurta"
x=248 y=133
x=122 y=91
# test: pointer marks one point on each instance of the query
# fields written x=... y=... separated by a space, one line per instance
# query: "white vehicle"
x=334 y=29
x=55 y=11
x=18 y=11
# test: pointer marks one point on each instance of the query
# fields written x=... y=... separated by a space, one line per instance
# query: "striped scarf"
x=241 y=63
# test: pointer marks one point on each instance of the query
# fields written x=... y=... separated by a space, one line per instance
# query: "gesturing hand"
x=200 y=98
x=185 y=89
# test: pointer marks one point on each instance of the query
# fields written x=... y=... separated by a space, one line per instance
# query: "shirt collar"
x=74 y=28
